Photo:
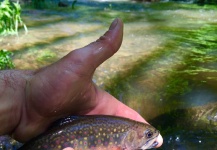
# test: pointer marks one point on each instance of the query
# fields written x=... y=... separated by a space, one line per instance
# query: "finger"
x=92 y=55
x=84 y=61
x=68 y=148
x=108 y=44
x=76 y=68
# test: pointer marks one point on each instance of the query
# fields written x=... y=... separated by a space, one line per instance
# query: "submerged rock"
x=192 y=128
x=195 y=118
x=63 y=4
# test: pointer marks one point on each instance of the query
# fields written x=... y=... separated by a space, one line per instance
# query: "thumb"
x=92 y=55
x=106 y=45
x=84 y=61
x=74 y=71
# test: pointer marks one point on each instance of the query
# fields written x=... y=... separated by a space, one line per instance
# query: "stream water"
x=166 y=68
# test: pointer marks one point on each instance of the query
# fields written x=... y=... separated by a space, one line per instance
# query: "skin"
x=69 y=148
x=32 y=99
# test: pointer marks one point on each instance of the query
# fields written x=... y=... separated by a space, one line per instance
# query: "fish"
x=8 y=143
x=95 y=132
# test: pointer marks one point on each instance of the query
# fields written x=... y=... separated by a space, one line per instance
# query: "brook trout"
x=95 y=132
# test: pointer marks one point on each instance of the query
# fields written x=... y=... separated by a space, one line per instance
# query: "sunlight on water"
x=165 y=68
x=61 y=36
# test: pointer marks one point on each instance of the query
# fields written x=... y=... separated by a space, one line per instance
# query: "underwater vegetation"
x=164 y=83
x=48 y=4
x=203 y=2
x=198 y=67
x=5 y=60
x=39 y=4
x=10 y=18
x=46 y=56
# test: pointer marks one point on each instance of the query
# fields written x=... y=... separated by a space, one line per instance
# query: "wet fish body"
x=7 y=143
x=95 y=133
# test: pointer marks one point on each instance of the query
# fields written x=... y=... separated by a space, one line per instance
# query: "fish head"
x=140 y=137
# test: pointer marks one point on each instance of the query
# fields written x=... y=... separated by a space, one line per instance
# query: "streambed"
x=166 y=68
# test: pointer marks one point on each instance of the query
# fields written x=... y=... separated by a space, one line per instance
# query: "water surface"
x=165 y=68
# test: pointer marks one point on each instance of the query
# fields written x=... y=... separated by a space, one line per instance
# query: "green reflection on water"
x=196 y=69
x=154 y=84
x=45 y=56
x=198 y=61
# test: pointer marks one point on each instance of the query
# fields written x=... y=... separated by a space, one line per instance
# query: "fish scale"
x=93 y=132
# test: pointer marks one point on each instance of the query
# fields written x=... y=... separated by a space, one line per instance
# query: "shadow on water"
x=188 y=129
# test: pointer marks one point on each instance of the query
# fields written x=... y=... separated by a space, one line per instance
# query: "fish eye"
x=149 y=134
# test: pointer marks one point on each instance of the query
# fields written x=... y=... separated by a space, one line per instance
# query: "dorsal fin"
x=65 y=120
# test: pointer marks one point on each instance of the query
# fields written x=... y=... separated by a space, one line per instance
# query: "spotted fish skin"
x=95 y=132
x=7 y=143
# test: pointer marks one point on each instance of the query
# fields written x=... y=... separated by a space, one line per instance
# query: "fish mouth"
x=151 y=143
x=154 y=144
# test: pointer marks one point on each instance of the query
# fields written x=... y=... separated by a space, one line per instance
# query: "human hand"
x=69 y=148
x=32 y=100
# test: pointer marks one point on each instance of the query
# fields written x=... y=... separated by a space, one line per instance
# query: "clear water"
x=167 y=64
